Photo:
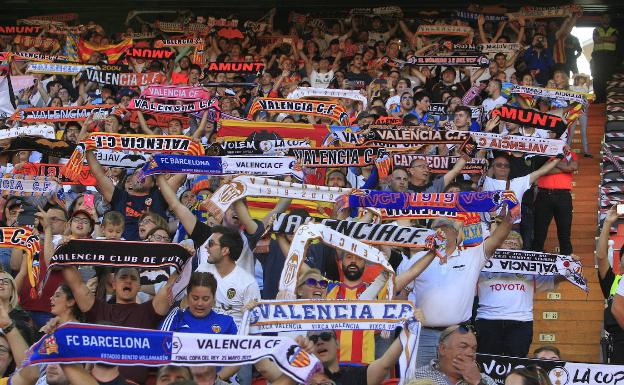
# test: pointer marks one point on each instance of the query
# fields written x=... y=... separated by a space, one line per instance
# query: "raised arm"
x=161 y=301
x=602 y=249
x=545 y=169
x=377 y=370
x=455 y=171
x=84 y=297
x=186 y=217
x=403 y=279
x=498 y=236
x=104 y=185
x=143 y=124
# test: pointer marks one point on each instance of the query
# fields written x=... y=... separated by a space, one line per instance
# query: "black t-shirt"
x=133 y=206
x=349 y=375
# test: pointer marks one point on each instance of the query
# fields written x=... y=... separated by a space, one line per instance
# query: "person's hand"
x=92 y=284
x=612 y=216
x=575 y=257
x=481 y=20
x=250 y=305
x=419 y=315
x=285 y=73
x=51 y=325
x=492 y=123
x=305 y=344
x=468 y=369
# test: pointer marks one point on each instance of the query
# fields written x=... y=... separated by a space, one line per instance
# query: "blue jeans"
x=427 y=346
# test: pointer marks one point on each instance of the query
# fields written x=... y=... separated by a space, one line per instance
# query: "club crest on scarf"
x=233 y=190
x=49 y=346
x=297 y=357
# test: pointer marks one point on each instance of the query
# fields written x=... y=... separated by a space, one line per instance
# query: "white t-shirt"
x=510 y=296
x=234 y=291
x=517 y=185
x=445 y=292
x=489 y=104
x=321 y=80
x=620 y=288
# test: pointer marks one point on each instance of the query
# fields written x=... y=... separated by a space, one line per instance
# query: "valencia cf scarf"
x=479 y=202
x=120 y=79
x=448 y=30
x=50 y=147
x=112 y=51
x=158 y=119
x=59 y=17
x=54 y=170
x=517 y=143
x=56 y=68
x=312 y=231
x=307 y=315
x=535 y=263
x=147 y=106
x=529 y=12
x=469 y=61
x=244 y=186
x=150 y=53
x=179 y=43
x=440 y=164
x=115 y=345
x=165 y=92
x=31 y=30
x=120 y=142
x=222 y=165
x=531 y=118
x=280 y=147
x=410 y=137
x=332 y=93
x=27 y=185
x=609 y=155
x=338 y=156
x=260 y=131
x=333 y=111
x=22 y=238
x=241 y=68
x=466 y=15
x=62 y=114
x=38 y=130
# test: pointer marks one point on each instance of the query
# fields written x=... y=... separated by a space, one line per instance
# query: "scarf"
x=144 y=105
x=535 y=263
x=35 y=56
x=307 y=92
x=113 y=52
x=333 y=111
x=182 y=27
x=60 y=17
x=123 y=159
x=27 y=185
x=478 y=202
x=308 y=315
x=263 y=147
x=243 y=186
x=142 y=143
x=50 y=147
x=186 y=93
x=38 y=130
x=391 y=10
x=466 y=15
x=193 y=42
x=22 y=238
x=20 y=30
x=241 y=68
x=54 y=170
x=469 y=61
x=609 y=155
x=221 y=165
x=245 y=130
x=499 y=47
x=561 y=372
x=150 y=53
x=517 y=143
x=338 y=157
x=62 y=114
x=370 y=233
x=309 y=232
x=44 y=43
x=529 y=12
x=552 y=93
x=405 y=138
x=159 y=120
x=440 y=164
x=449 y=30
x=472 y=93
x=531 y=118
x=56 y=68
x=84 y=343
x=129 y=79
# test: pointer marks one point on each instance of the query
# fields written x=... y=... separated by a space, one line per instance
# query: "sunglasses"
x=321 y=283
x=324 y=336
x=461 y=329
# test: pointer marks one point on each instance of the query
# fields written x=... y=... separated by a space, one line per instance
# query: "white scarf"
x=57 y=68
x=306 y=92
x=42 y=130
x=579 y=97
x=515 y=143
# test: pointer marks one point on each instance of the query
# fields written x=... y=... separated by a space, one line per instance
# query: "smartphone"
x=88 y=200
x=620 y=209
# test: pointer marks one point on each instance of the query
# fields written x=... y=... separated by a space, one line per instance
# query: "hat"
x=86 y=214
x=13 y=201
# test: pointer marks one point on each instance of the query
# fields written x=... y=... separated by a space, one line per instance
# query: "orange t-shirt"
x=560 y=181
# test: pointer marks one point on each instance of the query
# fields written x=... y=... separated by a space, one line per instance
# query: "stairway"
x=567 y=317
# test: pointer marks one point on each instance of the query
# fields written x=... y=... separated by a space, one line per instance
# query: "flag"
x=112 y=51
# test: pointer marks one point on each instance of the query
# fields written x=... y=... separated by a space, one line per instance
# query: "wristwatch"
x=6 y=330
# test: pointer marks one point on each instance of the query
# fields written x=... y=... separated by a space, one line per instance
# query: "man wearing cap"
x=452 y=281
x=456 y=362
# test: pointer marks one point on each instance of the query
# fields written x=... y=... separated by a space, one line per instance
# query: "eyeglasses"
x=5 y=281
x=501 y=165
x=81 y=221
x=160 y=238
x=461 y=328
x=146 y=221
x=324 y=336
x=321 y=283
x=212 y=242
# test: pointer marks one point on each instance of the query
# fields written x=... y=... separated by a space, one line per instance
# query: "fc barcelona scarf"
x=141 y=143
x=479 y=202
x=186 y=93
x=222 y=165
x=531 y=118
x=112 y=51
x=22 y=238
x=121 y=79
x=115 y=345
x=338 y=157
x=517 y=143
x=28 y=185
x=62 y=114
x=535 y=263
x=147 y=106
x=312 y=231
x=50 y=147
x=54 y=170
x=330 y=110
x=243 y=186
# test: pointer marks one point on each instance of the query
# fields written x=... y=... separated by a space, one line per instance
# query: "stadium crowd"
x=226 y=156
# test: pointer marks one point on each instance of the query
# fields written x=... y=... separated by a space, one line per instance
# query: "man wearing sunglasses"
x=456 y=362
x=326 y=350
